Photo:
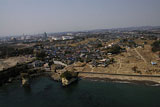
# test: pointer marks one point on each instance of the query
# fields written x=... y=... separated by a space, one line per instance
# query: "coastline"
x=95 y=76
x=148 y=81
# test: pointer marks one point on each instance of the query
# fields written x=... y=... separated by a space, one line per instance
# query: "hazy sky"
x=37 y=16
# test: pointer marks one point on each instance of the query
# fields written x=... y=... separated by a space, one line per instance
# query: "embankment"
x=12 y=72
x=146 y=79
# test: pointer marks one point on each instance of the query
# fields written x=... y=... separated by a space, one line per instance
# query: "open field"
x=12 y=61
x=139 y=57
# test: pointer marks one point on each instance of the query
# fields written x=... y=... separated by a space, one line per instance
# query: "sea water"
x=44 y=92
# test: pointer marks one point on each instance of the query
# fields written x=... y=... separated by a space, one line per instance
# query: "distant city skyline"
x=37 y=16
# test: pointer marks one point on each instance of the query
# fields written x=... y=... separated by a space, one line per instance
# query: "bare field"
x=12 y=61
x=140 y=58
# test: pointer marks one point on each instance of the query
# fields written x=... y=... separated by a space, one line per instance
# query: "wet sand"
x=149 y=81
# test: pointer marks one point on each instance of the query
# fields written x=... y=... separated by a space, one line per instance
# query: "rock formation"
x=25 y=79
x=68 y=77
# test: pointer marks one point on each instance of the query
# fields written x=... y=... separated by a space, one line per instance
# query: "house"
x=46 y=65
x=153 y=63
x=38 y=63
x=94 y=63
x=109 y=53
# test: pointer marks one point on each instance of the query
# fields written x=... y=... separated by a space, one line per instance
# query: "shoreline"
x=147 y=81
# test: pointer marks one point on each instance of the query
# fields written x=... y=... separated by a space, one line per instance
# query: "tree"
x=40 y=55
x=156 y=46
x=134 y=69
x=69 y=75
x=115 y=49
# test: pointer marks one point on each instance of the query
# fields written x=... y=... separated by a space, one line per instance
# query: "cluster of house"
x=102 y=63
x=66 y=55
x=61 y=37
x=39 y=64
x=92 y=52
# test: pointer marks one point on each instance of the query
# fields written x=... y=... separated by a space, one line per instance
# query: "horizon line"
x=80 y=30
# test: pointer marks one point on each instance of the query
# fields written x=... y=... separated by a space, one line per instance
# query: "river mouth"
x=44 y=92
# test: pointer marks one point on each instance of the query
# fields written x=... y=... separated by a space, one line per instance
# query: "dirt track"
x=140 y=55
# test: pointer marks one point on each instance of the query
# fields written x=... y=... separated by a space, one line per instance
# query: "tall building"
x=45 y=35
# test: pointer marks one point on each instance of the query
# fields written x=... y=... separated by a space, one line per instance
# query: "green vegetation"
x=69 y=75
x=112 y=60
x=9 y=51
x=128 y=42
x=99 y=45
x=40 y=55
x=135 y=70
x=156 y=46
x=24 y=75
x=115 y=49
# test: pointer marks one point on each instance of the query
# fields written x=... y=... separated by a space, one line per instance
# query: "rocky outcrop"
x=64 y=76
x=25 y=79
x=56 y=76
x=66 y=82
x=10 y=79
x=68 y=77
x=7 y=74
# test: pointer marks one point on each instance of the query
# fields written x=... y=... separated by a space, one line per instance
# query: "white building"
x=69 y=34
x=57 y=38
x=66 y=37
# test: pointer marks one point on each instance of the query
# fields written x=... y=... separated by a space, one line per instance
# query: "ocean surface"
x=45 y=92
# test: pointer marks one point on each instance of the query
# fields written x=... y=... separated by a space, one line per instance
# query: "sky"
x=19 y=17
